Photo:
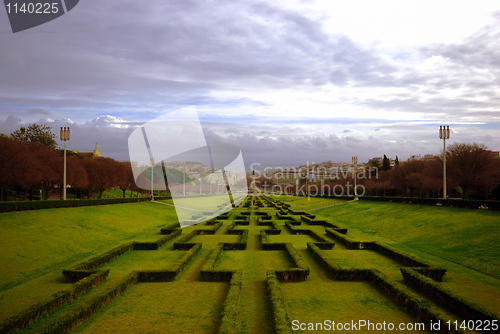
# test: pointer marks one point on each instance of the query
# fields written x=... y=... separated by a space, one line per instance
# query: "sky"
x=289 y=82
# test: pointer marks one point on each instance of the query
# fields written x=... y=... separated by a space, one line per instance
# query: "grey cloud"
x=179 y=49
x=347 y=131
x=37 y=111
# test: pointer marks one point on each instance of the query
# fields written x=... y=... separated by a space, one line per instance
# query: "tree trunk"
x=100 y=193
x=1 y=194
x=25 y=194
x=124 y=195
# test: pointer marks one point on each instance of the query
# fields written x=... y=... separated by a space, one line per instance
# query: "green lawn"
x=308 y=203
x=37 y=245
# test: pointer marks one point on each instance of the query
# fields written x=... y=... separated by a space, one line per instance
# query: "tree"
x=12 y=164
x=375 y=163
x=396 y=162
x=386 y=163
x=50 y=167
x=467 y=165
x=36 y=133
x=102 y=174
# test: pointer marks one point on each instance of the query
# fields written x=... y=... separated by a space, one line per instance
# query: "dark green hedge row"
x=321 y=240
x=241 y=217
x=276 y=229
x=170 y=228
x=282 y=324
x=154 y=245
x=460 y=203
x=179 y=245
x=229 y=323
x=261 y=213
x=401 y=294
x=466 y=309
x=87 y=309
x=52 y=204
x=300 y=272
x=408 y=300
x=343 y=239
x=58 y=299
x=242 y=222
x=170 y=274
x=86 y=268
x=282 y=216
x=241 y=245
x=427 y=268
x=264 y=222
x=323 y=223
x=208 y=273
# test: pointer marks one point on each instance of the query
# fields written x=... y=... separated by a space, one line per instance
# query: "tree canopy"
x=35 y=133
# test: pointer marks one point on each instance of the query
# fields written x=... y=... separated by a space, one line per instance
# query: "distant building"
x=86 y=155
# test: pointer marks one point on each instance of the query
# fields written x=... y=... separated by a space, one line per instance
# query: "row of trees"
x=472 y=171
x=29 y=166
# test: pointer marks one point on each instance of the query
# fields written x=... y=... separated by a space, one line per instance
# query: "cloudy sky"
x=290 y=82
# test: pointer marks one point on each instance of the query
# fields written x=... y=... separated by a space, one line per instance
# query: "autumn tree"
x=467 y=164
x=12 y=164
x=102 y=174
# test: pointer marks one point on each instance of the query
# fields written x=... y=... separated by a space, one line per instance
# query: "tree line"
x=472 y=172
x=29 y=162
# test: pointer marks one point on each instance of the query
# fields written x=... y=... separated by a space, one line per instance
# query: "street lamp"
x=444 y=133
x=152 y=160
x=64 y=135
x=355 y=163
x=184 y=181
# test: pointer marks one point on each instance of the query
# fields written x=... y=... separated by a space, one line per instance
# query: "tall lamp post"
x=444 y=133
x=152 y=160
x=64 y=135
x=355 y=163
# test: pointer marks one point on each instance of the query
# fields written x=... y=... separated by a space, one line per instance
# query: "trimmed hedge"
x=399 y=293
x=170 y=228
x=154 y=245
x=446 y=297
x=88 y=308
x=346 y=241
x=52 y=204
x=300 y=272
x=85 y=269
x=282 y=324
x=170 y=274
x=241 y=245
x=208 y=273
x=424 y=267
x=460 y=203
x=229 y=323
x=58 y=299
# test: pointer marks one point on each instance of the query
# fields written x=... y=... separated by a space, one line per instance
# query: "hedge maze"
x=251 y=270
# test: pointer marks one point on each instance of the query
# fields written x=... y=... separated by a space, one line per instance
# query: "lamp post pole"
x=152 y=160
x=64 y=135
x=184 y=181
x=355 y=163
x=444 y=133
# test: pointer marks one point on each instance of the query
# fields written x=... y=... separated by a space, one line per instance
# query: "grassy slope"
x=464 y=236
x=37 y=245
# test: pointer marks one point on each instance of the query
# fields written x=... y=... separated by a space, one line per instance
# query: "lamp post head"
x=444 y=131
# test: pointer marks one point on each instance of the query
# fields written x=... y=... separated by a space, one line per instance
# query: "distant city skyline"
x=286 y=81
